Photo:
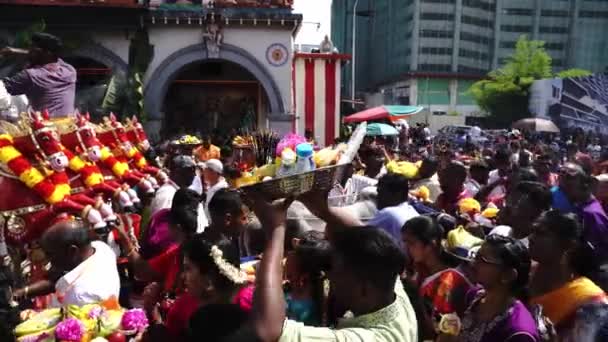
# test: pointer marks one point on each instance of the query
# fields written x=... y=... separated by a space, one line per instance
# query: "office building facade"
x=429 y=52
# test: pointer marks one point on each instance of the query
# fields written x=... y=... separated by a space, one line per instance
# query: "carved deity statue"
x=326 y=45
x=213 y=38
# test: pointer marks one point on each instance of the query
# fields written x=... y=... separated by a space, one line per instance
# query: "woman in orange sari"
x=559 y=284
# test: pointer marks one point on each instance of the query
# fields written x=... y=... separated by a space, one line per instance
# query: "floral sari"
x=446 y=291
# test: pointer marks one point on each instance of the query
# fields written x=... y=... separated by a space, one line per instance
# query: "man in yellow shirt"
x=207 y=150
x=366 y=264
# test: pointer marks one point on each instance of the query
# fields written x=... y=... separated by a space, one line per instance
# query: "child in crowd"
x=305 y=271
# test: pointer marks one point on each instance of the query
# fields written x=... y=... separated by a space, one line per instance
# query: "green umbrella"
x=375 y=129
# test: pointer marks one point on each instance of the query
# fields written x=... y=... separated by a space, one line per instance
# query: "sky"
x=314 y=11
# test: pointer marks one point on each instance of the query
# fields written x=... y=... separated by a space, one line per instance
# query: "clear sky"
x=314 y=11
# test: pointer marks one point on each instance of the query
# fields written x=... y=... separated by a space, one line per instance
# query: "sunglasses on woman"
x=480 y=258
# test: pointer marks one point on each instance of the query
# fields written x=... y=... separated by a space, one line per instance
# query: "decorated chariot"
x=53 y=170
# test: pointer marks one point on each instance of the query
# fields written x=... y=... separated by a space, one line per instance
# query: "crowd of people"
x=498 y=243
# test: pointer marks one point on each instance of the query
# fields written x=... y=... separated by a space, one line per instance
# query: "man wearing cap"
x=214 y=180
x=181 y=174
x=48 y=82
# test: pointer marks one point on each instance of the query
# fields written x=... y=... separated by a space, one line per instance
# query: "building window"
x=470 y=70
x=435 y=67
x=473 y=54
x=517 y=11
x=557 y=63
x=593 y=14
x=436 y=50
x=554 y=46
x=553 y=29
x=484 y=5
x=554 y=13
x=516 y=28
x=436 y=34
x=477 y=21
x=439 y=1
x=508 y=45
x=436 y=16
x=470 y=37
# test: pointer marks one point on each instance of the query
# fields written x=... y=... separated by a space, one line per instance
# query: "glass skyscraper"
x=450 y=43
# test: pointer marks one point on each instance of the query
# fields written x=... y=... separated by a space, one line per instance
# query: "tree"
x=504 y=94
x=125 y=93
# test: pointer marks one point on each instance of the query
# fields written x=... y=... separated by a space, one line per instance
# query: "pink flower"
x=70 y=329
x=95 y=312
x=290 y=140
x=134 y=320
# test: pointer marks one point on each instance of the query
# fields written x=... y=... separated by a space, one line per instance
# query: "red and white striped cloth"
x=316 y=79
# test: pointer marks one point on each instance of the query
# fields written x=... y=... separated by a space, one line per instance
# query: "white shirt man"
x=164 y=195
x=215 y=182
x=93 y=280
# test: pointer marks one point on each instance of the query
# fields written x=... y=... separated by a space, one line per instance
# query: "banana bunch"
x=41 y=324
x=247 y=178
x=242 y=140
x=86 y=314
x=268 y=170
x=407 y=169
x=109 y=322
x=47 y=335
x=326 y=157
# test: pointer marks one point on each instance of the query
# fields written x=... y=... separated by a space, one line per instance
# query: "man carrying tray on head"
x=48 y=82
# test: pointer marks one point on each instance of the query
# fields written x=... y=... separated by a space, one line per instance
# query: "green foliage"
x=125 y=93
x=573 y=73
x=23 y=38
x=504 y=94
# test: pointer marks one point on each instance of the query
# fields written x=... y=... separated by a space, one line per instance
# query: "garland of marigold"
x=90 y=173
x=29 y=175
x=119 y=168
x=137 y=157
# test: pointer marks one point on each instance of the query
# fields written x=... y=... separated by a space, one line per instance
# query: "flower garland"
x=29 y=175
x=61 y=181
x=119 y=168
x=90 y=173
x=139 y=159
x=233 y=273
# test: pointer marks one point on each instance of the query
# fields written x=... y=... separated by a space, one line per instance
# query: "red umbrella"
x=383 y=112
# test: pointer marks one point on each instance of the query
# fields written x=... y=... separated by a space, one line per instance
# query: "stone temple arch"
x=158 y=84
x=101 y=54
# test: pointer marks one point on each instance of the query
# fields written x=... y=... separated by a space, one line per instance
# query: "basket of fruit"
x=298 y=184
x=327 y=167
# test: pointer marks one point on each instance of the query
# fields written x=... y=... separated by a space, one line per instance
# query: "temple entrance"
x=214 y=97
